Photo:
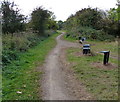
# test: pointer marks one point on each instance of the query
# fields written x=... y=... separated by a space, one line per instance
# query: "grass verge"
x=101 y=83
x=21 y=78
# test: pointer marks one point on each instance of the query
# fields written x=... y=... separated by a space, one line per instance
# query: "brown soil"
x=97 y=64
x=74 y=84
x=80 y=53
x=108 y=66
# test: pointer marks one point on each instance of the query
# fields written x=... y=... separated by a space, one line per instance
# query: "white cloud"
x=63 y=8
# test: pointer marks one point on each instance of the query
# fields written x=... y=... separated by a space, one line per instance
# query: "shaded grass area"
x=21 y=77
x=101 y=83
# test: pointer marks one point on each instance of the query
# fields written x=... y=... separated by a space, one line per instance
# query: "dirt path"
x=59 y=83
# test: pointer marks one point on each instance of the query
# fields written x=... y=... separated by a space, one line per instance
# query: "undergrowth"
x=13 y=44
x=89 y=33
x=21 y=78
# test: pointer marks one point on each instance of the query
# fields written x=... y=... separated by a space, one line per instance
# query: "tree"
x=60 y=24
x=39 y=19
x=12 y=20
x=52 y=25
x=88 y=17
x=113 y=14
x=94 y=21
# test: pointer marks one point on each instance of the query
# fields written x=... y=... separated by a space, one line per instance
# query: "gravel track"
x=58 y=82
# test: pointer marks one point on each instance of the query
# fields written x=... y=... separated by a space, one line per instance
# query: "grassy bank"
x=21 y=77
x=13 y=44
x=101 y=81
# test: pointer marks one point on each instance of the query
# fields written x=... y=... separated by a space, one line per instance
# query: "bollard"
x=83 y=39
x=67 y=35
x=106 y=57
x=79 y=38
x=86 y=48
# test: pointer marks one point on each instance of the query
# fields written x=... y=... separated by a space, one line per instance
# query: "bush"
x=8 y=56
x=49 y=32
x=90 y=33
x=19 y=42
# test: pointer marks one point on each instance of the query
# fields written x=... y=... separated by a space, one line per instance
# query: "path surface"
x=55 y=84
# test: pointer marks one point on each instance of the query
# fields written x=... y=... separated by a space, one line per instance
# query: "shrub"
x=19 y=42
x=90 y=33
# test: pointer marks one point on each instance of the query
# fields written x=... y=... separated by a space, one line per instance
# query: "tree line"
x=94 y=23
x=13 y=21
x=19 y=34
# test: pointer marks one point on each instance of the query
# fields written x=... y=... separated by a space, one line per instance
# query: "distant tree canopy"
x=60 y=24
x=51 y=24
x=41 y=20
x=12 y=20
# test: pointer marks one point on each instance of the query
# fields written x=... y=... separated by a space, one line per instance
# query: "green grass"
x=21 y=79
x=101 y=83
x=0 y=65
x=0 y=85
x=98 y=46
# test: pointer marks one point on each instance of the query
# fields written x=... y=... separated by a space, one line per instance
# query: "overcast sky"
x=63 y=8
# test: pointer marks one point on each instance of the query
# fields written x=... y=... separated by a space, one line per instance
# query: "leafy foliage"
x=88 y=17
x=12 y=20
x=21 y=75
x=94 y=24
x=60 y=24
x=15 y=39
x=39 y=17
x=42 y=20
x=13 y=45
